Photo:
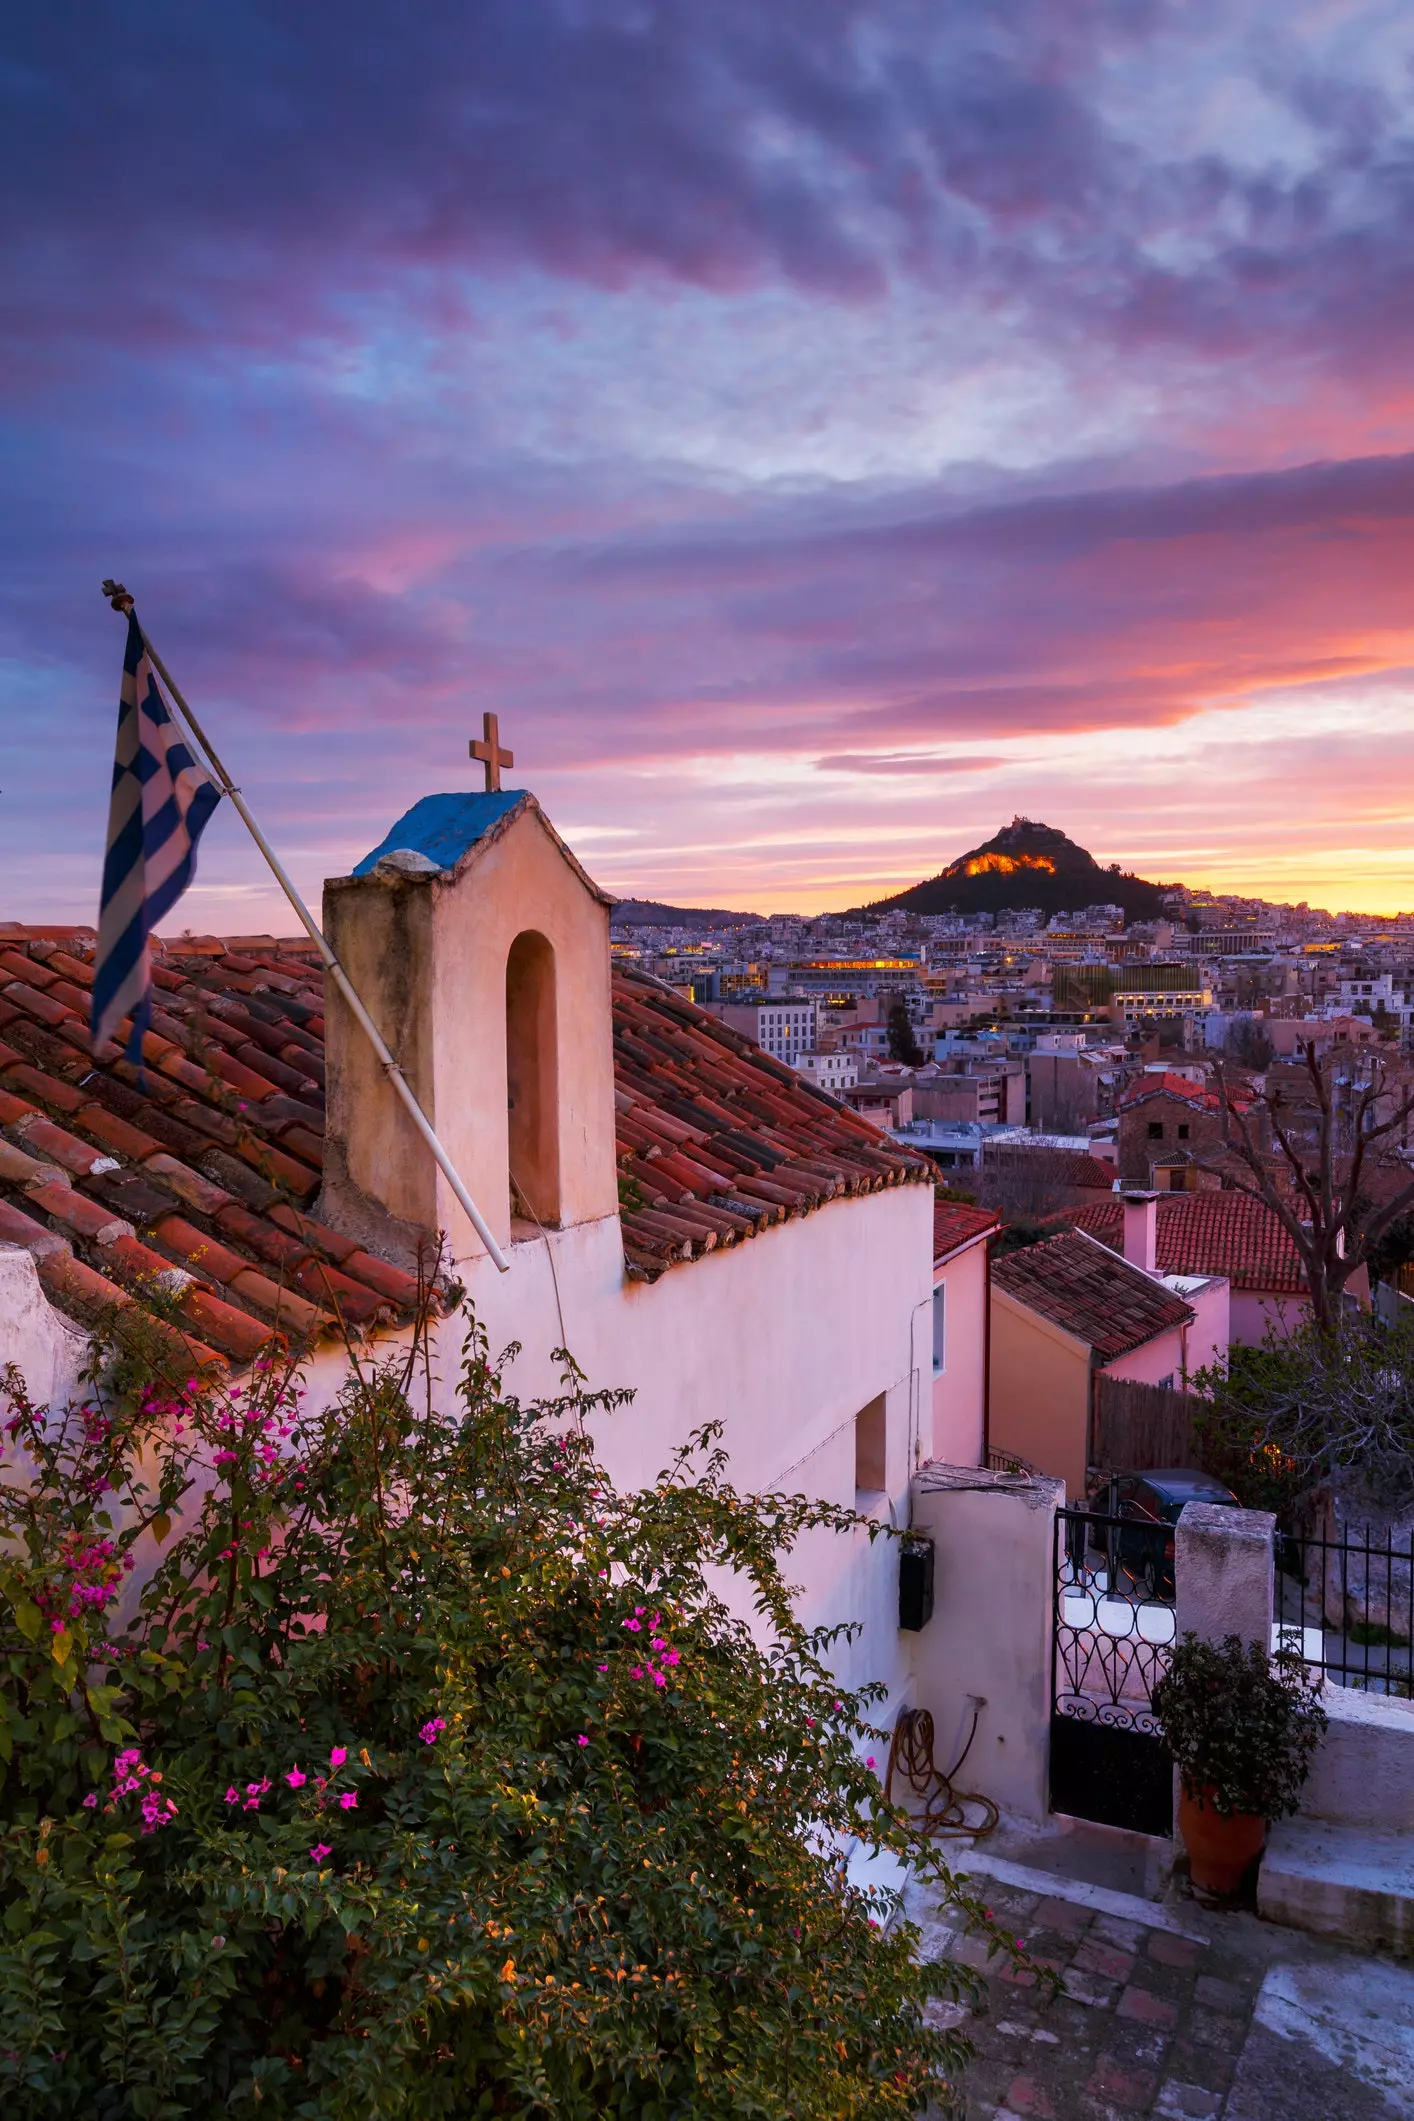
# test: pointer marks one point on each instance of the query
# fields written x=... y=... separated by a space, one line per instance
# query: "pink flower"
x=296 y=1778
x=603 y=1668
x=581 y=1740
x=870 y=1761
x=659 y=1680
x=432 y=1730
x=320 y=1850
x=636 y=1625
x=338 y=1756
x=349 y=1800
x=635 y=1671
x=90 y=1800
x=231 y=1797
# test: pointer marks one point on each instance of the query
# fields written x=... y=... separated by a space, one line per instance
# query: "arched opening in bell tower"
x=532 y=1078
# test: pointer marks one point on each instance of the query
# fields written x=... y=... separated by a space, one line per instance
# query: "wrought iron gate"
x=1111 y=1642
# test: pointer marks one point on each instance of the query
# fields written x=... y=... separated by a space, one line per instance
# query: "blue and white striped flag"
x=161 y=802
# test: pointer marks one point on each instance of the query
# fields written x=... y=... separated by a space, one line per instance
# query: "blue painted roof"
x=443 y=827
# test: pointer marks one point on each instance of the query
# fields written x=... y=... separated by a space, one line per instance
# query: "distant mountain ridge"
x=650 y=913
x=1026 y=864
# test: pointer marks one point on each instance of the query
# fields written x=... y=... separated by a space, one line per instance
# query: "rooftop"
x=1170 y=1085
x=186 y=1186
x=717 y=1140
x=1081 y=1286
x=1209 y=1233
x=956 y=1223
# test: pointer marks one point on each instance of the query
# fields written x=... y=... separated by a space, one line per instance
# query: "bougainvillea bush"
x=372 y=1762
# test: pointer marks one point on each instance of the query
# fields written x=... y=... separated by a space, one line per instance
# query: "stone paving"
x=1214 y=2025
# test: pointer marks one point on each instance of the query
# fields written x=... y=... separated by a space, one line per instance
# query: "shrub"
x=1241 y=1726
x=1309 y=1407
x=427 y=1775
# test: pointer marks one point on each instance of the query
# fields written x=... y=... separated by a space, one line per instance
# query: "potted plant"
x=1242 y=1728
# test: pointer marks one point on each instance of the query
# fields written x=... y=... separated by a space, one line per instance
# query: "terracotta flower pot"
x=1220 y=1851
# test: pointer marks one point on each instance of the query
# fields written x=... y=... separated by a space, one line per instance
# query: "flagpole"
x=120 y=600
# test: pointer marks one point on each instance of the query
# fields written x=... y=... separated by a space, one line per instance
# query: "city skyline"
x=817 y=437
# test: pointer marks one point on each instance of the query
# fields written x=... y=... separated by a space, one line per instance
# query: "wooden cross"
x=487 y=748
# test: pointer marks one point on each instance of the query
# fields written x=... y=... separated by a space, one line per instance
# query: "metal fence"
x=1344 y=1603
x=1009 y=1462
x=1111 y=1642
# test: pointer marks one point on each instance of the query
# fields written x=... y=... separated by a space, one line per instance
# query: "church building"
x=688 y=1215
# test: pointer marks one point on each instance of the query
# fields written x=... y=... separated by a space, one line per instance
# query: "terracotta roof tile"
x=1080 y=1286
x=717 y=1140
x=1209 y=1233
x=957 y=1223
x=1170 y=1085
x=193 y=1173
x=118 y=1180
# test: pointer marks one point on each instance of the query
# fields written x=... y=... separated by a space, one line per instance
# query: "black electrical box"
x=915 y=1582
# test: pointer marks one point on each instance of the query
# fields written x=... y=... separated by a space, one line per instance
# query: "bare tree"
x=1318 y=1184
x=1027 y=1181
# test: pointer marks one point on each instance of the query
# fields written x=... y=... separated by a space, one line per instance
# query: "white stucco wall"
x=990 y=1636
x=959 y=1388
x=46 y=1349
x=784 y=1339
x=1363 y=1772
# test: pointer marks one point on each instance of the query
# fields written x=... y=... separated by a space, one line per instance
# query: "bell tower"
x=481 y=950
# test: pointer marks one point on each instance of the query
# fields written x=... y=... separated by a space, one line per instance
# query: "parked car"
x=1149 y=1505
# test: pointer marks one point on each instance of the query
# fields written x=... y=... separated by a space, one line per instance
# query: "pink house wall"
x=1256 y=1313
x=1157 y=1359
x=960 y=1387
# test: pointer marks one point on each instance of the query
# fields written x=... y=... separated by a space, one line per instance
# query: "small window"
x=870 y=1437
x=1156 y=1130
x=940 y=1338
x=1183 y=1130
x=1166 y=1383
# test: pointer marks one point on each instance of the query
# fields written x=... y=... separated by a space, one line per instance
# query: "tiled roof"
x=1168 y=1085
x=183 y=1185
x=955 y=1223
x=716 y=1140
x=186 y=1186
x=1209 y=1233
x=1082 y=1287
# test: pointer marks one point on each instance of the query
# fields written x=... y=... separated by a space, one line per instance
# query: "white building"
x=784 y=1029
x=677 y=1207
x=830 y=1071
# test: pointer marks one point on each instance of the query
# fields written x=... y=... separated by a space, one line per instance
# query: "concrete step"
x=1355 y=1883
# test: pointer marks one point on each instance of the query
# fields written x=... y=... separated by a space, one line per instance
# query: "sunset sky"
x=819 y=428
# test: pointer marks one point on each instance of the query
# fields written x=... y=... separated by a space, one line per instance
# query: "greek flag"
x=161 y=802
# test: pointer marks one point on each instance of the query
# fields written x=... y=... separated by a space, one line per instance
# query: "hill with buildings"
x=1027 y=864
x=649 y=913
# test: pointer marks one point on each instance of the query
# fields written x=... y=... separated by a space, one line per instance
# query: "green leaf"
x=28 y=1618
